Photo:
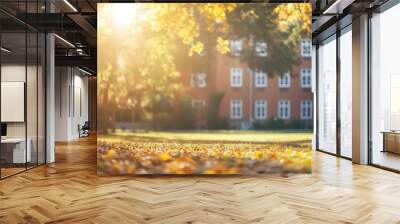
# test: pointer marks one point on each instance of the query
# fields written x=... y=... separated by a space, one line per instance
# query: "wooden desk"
x=391 y=141
x=13 y=150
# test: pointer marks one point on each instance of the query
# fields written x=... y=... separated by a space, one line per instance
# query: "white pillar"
x=360 y=90
x=50 y=98
x=50 y=92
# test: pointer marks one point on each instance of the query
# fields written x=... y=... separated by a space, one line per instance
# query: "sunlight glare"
x=124 y=14
x=120 y=62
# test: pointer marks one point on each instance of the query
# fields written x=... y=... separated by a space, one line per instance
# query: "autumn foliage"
x=148 y=157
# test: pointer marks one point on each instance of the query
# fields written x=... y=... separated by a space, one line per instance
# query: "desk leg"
x=384 y=142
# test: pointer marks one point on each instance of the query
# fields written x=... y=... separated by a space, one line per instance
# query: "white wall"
x=62 y=82
x=12 y=73
x=71 y=102
x=33 y=126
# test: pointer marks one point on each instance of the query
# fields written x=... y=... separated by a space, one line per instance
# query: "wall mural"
x=192 y=88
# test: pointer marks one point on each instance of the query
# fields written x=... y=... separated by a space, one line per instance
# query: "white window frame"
x=284 y=112
x=198 y=103
x=236 y=47
x=305 y=78
x=284 y=80
x=260 y=109
x=199 y=80
x=236 y=75
x=236 y=109
x=306 y=48
x=261 y=49
x=261 y=79
x=306 y=110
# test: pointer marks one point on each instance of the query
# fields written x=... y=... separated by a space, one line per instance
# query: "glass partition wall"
x=22 y=88
x=385 y=89
x=327 y=95
x=345 y=61
x=334 y=94
x=13 y=89
x=334 y=115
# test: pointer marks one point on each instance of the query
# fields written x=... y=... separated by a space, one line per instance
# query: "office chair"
x=84 y=130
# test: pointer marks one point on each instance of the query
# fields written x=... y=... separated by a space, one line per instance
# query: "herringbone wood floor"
x=70 y=192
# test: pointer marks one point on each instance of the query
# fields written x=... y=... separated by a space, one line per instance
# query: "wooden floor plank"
x=69 y=191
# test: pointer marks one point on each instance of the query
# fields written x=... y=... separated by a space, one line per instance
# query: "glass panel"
x=385 y=81
x=327 y=96
x=346 y=94
x=23 y=91
x=31 y=97
x=41 y=99
x=13 y=86
x=32 y=88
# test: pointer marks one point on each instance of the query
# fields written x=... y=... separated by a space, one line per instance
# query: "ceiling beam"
x=84 y=24
x=49 y=22
x=78 y=61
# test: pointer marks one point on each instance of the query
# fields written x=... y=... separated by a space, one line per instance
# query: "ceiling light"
x=65 y=41
x=331 y=7
x=337 y=7
x=84 y=71
x=70 y=5
x=79 y=51
x=5 y=50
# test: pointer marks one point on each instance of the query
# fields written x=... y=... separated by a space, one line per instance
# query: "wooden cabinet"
x=391 y=142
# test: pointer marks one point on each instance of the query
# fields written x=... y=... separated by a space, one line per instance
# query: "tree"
x=145 y=49
x=213 y=121
x=137 y=68
x=280 y=26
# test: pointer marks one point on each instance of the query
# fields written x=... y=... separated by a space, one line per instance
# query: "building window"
x=284 y=109
x=260 y=109
x=236 y=47
x=236 y=77
x=306 y=78
x=305 y=109
x=261 y=79
x=284 y=80
x=261 y=49
x=198 y=104
x=306 y=47
x=199 y=80
x=236 y=109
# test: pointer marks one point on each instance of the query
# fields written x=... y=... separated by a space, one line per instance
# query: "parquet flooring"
x=10 y=171
x=69 y=191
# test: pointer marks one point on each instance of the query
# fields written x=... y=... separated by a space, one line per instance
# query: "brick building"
x=248 y=97
x=254 y=97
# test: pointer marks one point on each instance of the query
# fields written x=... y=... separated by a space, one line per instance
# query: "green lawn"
x=281 y=136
